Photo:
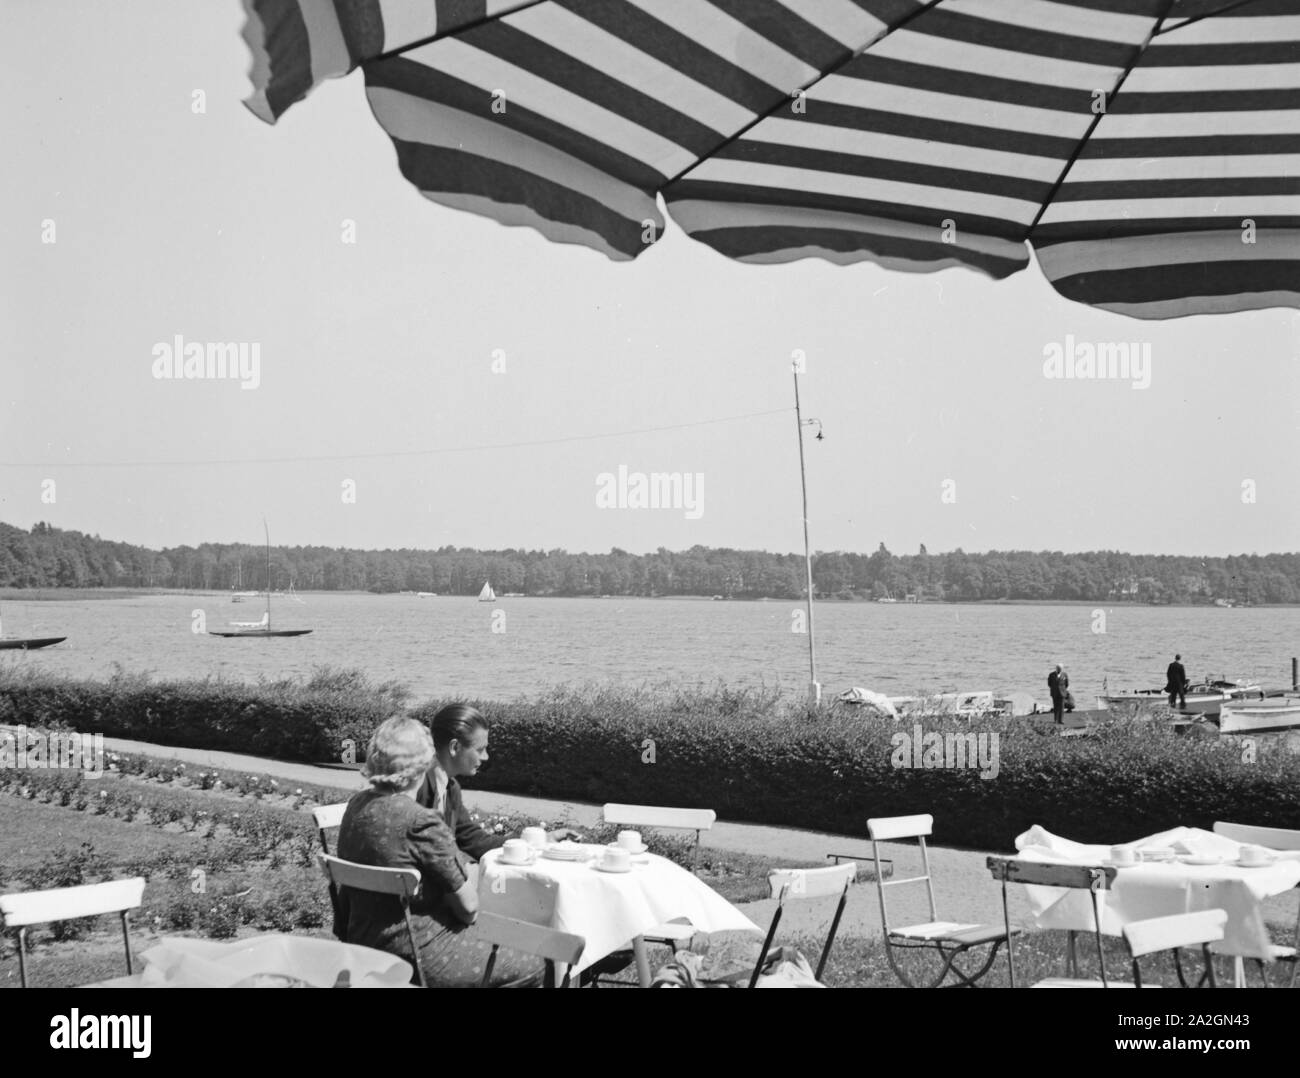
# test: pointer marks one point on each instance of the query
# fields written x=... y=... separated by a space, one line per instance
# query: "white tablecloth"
x=181 y=962
x=607 y=909
x=1158 y=889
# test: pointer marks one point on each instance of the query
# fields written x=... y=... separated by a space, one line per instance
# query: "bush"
x=750 y=755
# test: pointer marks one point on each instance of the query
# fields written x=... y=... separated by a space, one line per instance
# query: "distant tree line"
x=47 y=557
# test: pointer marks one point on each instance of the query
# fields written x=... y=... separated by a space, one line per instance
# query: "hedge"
x=749 y=755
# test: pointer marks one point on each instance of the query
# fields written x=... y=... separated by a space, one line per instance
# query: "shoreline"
x=54 y=595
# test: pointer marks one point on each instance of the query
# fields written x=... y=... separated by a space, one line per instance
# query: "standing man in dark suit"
x=1176 y=685
x=1057 y=690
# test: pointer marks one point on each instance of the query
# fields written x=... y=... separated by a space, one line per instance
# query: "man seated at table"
x=460 y=743
x=385 y=827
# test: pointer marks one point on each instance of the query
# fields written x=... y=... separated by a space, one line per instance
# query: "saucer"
x=503 y=860
x=600 y=866
x=643 y=854
x=1200 y=859
x=1252 y=864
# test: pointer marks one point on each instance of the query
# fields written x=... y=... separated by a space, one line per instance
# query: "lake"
x=447 y=645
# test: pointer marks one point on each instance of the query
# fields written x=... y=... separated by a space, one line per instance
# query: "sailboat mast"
x=268 y=572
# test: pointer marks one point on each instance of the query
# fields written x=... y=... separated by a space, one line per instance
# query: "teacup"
x=630 y=840
x=1255 y=855
x=516 y=852
x=617 y=859
x=535 y=837
x=1123 y=855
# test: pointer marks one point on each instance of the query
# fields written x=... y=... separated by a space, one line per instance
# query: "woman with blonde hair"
x=384 y=826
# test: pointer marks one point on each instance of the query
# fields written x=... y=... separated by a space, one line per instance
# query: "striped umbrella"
x=1148 y=150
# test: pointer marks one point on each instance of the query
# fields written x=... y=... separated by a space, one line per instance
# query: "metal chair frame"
x=1093 y=878
x=948 y=945
x=403 y=883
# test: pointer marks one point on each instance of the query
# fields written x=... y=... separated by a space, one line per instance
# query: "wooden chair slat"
x=1043 y=874
x=528 y=938
x=661 y=816
x=811 y=882
x=884 y=828
x=63 y=903
x=1177 y=930
x=1273 y=838
x=403 y=882
x=329 y=815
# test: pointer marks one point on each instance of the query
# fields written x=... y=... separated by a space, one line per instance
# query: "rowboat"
x=1203 y=699
x=29 y=643
x=1260 y=716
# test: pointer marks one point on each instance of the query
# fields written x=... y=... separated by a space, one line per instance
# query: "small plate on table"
x=600 y=866
x=1200 y=858
x=642 y=855
x=566 y=851
x=1239 y=863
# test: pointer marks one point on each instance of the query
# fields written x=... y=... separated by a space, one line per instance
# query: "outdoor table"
x=1156 y=889
x=181 y=962
x=606 y=908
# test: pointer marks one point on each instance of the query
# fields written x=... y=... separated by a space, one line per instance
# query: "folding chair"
x=326 y=817
x=1092 y=878
x=545 y=943
x=65 y=903
x=404 y=883
x=670 y=934
x=1273 y=838
x=948 y=939
x=796 y=883
x=1170 y=933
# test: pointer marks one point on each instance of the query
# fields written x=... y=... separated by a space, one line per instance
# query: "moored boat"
x=28 y=643
x=1205 y=698
x=1260 y=716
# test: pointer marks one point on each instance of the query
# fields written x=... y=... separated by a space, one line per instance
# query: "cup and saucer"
x=1122 y=857
x=614 y=859
x=631 y=841
x=1254 y=857
x=517 y=852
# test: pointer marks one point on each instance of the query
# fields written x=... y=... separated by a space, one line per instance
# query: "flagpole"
x=814 y=688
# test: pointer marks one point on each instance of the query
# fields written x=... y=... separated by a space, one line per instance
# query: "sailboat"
x=30 y=643
x=263 y=627
x=487 y=595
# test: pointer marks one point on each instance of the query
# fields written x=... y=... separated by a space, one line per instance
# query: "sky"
x=445 y=380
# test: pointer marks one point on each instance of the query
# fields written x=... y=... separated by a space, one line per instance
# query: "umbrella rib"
x=1078 y=149
x=766 y=113
x=471 y=25
x=1207 y=15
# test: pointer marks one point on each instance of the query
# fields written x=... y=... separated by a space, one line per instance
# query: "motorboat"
x=1205 y=698
x=1260 y=716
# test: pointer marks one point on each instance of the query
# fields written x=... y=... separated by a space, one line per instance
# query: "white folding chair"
x=1092 y=878
x=949 y=939
x=670 y=934
x=1169 y=933
x=403 y=883
x=66 y=903
x=527 y=938
x=327 y=817
x=787 y=884
x=1273 y=838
